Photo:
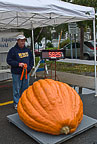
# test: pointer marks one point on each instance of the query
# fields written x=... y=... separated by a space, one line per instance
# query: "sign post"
x=73 y=30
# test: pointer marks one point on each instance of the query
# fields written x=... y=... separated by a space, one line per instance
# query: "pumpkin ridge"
x=59 y=93
x=52 y=117
x=79 y=112
x=22 y=118
x=50 y=123
x=42 y=85
x=40 y=127
x=76 y=108
x=65 y=94
x=59 y=109
x=60 y=115
x=70 y=104
x=39 y=93
x=38 y=103
x=55 y=88
x=55 y=115
x=74 y=122
x=62 y=97
x=30 y=116
x=72 y=101
x=47 y=116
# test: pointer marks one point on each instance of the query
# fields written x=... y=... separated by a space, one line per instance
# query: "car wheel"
x=86 y=57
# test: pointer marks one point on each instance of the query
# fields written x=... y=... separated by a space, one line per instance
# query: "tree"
x=90 y=3
x=83 y=25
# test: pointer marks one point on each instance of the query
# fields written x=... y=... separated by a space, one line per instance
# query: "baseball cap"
x=20 y=37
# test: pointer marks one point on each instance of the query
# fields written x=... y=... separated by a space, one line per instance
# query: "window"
x=77 y=45
x=89 y=44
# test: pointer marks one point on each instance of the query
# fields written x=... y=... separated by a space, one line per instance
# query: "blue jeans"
x=19 y=86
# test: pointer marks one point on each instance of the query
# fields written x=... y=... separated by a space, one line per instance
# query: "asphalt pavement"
x=10 y=134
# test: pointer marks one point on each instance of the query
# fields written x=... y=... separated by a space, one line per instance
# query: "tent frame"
x=29 y=15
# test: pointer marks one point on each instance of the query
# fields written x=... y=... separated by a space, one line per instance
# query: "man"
x=17 y=57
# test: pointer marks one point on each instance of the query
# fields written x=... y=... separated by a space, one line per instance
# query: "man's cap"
x=20 y=37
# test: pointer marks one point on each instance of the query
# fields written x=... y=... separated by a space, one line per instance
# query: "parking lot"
x=10 y=134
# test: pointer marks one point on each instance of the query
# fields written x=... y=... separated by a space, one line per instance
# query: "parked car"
x=88 y=50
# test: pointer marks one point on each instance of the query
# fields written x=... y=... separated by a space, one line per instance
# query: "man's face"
x=21 y=43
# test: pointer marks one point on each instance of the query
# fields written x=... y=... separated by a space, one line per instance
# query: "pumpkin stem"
x=65 y=130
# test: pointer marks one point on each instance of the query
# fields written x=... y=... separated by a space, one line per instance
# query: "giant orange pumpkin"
x=51 y=106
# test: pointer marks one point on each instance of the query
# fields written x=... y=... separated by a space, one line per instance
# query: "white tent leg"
x=33 y=45
x=95 y=55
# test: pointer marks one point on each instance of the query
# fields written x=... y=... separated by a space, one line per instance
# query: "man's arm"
x=31 y=62
x=11 y=59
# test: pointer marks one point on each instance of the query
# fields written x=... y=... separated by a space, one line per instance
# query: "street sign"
x=72 y=28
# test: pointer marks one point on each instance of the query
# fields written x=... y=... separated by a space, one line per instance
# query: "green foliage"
x=68 y=67
x=27 y=32
x=49 y=45
x=90 y=3
x=71 y=68
x=51 y=48
x=63 y=27
x=65 y=42
x=37 y=60
x=39 y=33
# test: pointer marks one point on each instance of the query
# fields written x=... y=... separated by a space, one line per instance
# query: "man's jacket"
x=18 y=55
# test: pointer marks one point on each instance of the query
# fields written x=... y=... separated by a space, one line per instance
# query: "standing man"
x=17 y=57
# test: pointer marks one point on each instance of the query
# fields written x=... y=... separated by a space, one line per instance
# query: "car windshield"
x=90 y=44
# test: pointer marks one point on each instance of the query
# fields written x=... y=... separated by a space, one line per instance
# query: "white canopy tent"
x=20 y=14
x=31 y=14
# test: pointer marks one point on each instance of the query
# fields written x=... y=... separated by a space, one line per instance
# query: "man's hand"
x=21 y=64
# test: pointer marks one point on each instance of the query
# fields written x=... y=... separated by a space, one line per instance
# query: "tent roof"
x=40 y=13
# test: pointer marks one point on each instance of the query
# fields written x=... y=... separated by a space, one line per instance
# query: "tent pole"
x=33 y=44
x=95 y=55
